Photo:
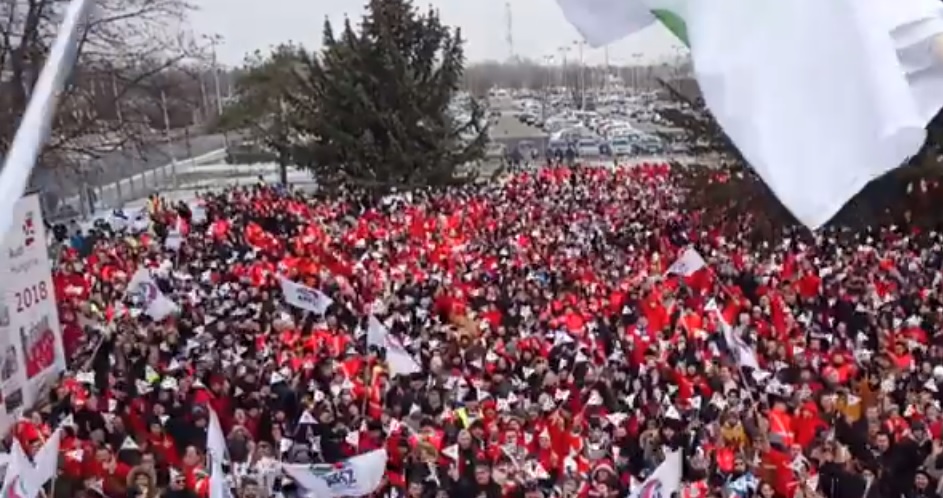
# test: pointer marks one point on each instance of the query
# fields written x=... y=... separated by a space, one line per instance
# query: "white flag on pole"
x=219 y=485
x=215 y=439
x=745 y=355
x=22 y=478
x=304 y=297
x=816 y=120
x=46 y=460
x=37 y=120
x=665 y=480
x=687 y=264
x=376 y=332
x=399 y=361
x=154 y=302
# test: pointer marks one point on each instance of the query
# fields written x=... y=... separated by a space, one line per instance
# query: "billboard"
x=31 y=351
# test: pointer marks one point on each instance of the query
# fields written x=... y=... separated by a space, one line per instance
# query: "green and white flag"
x=820 y=96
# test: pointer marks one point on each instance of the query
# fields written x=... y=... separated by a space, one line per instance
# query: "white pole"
x=582 y=78
x=37 y=120
x=219 y=93
x=170 y=150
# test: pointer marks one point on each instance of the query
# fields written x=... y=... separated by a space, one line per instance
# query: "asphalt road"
x=509 y=127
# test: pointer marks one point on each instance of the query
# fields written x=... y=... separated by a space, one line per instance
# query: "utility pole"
x=563 y=51
x=170 y=150
x=509 y=34
x=283 y=138
x=204 y=97
x=214 y=41
x=582 y=75
x=605 y=81
x=119 y=115
x=548 y=61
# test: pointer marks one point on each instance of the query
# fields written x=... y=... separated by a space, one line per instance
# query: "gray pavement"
x=510 y=132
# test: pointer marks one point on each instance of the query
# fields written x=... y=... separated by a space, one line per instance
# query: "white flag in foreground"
x=22 y=479
x=820 y=97
x=219 y=486
x=46 y=460
x=399 y=361
x=304 y=297
x=215 y=439
x=664 y=481
x=357 y=476
x=687 y=264
x=155 y=303
x=36 y=121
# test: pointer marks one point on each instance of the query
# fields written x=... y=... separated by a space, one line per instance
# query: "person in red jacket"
x=112 y=473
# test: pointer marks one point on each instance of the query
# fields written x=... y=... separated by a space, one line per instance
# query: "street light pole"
x=214 y=41
x=563 y=51
x=582 y=75
x=170 y=150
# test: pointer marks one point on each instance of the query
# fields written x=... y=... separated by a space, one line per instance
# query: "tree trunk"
x=283 y=167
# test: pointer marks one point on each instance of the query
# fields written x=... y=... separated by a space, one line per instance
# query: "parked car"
x=621 y=146
x=649 y=145
x=588 y=147
x=556 y=147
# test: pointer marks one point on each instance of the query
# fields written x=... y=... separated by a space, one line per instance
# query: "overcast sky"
x=538 y=28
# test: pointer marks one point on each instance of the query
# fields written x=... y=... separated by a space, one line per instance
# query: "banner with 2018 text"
x=31 y=350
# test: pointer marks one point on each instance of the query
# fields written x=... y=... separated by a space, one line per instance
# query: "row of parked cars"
x=588 y=144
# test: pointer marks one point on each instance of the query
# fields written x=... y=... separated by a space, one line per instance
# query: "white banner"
x=31 y=351
x=306 y=298
x=357 y=476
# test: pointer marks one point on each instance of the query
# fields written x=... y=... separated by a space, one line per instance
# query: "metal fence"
x=122 y=176
x=90 y=195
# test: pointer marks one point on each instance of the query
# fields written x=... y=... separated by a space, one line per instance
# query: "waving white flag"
x=304 y=297
x=820 y=97
x=155 y=303
x=687 y=264
x=398 y=360
x=665 y=480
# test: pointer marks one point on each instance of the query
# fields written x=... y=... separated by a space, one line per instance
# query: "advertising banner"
x=31 y=351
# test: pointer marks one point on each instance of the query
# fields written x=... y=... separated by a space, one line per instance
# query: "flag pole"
x=33 y=130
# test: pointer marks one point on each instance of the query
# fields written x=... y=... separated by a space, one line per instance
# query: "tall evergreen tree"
x=373 y=108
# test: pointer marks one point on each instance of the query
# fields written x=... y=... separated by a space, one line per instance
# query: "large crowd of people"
x=560 y=350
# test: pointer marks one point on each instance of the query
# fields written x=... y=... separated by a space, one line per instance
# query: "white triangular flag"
x=129 y=445
x=616 y=418
x=69 y=421
x=451 y=452
x=672 y=413
x=307 y=419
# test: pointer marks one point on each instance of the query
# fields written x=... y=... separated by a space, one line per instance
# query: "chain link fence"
x=108 y=183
